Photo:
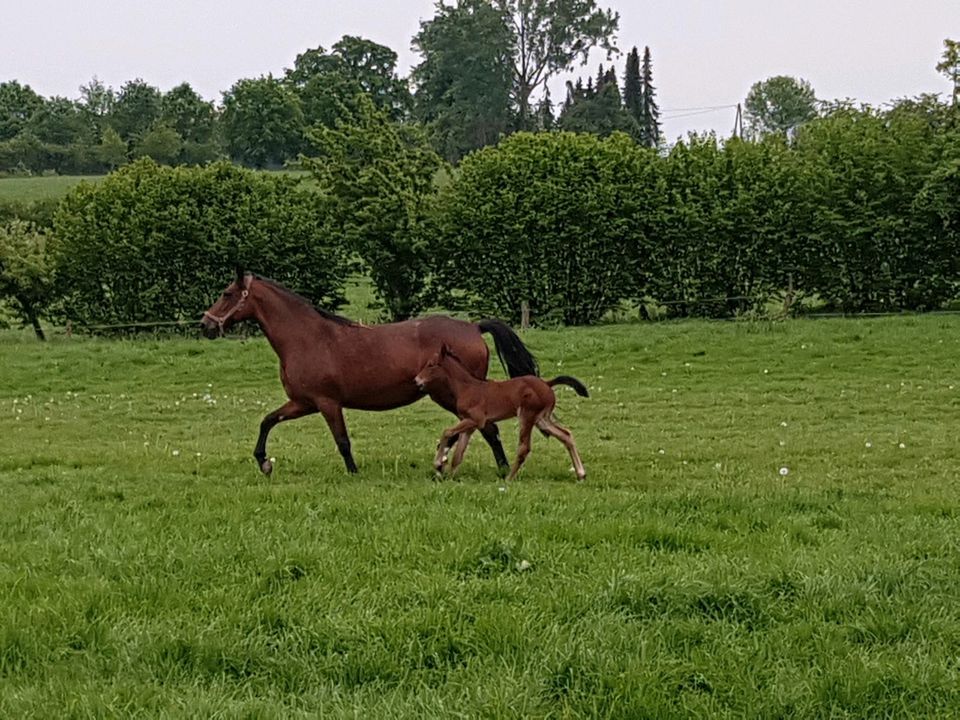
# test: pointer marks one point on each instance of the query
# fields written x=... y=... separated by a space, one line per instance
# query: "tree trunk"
x=35 y=322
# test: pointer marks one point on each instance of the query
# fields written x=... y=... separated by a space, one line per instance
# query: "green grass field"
x=769 y=528
x=30 y=189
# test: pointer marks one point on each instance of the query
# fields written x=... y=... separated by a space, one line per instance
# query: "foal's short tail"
x=516 y=359
x=570 y=382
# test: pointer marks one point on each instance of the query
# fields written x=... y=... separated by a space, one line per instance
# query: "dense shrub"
x=557 y=220
x=158 y=244
x=377 y=179
x=731 y=226
x=873 y=249
x=39 y=212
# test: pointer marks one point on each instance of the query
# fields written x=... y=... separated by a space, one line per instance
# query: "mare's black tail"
x=570 y=382
x=516 y=359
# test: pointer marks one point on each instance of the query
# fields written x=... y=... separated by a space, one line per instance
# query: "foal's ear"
x=444 y=350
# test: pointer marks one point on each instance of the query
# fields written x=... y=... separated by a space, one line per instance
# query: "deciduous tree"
x=463 y=83
x=779 y=104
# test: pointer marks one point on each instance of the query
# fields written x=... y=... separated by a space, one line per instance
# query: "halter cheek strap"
x=220 y=320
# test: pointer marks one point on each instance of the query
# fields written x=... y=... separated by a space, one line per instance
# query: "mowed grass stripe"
x=146 y=568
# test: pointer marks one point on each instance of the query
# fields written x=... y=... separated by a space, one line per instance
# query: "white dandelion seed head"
x=784 y=471
x=902 y=446
x=175 y=453
x=868 y=444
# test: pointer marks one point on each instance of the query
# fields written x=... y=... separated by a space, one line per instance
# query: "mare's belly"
x=383 y=398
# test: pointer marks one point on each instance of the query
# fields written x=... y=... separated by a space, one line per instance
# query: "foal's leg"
x=492 y=435
x=461 y=449
x=290 y=411
x=443 y=447
x=333 y=414
x=523 y=449
x=552 y=427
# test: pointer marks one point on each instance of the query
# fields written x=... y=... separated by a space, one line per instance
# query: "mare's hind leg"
x=333 y=414
x=551 y=427
x=491 y=434
x=290 y=411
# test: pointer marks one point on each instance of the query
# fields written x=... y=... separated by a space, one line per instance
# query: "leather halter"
x=222 y=319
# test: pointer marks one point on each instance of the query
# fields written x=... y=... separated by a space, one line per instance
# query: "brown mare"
x=479 y=403
x=328 y=363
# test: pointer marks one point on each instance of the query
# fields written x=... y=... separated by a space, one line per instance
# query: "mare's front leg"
x=290 y=411
x=333 y=414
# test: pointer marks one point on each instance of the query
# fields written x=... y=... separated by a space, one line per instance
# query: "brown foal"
x=481 y=402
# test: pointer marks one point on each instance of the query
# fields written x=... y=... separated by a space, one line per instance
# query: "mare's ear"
x=240 y=273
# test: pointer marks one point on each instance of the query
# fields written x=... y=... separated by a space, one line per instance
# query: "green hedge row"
x=152 y=243
x=860 y=209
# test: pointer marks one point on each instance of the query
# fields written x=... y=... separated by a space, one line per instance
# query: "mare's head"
x=231 y=307
x=434 y=372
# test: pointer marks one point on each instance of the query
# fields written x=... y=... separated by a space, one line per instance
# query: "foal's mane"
x=301 y=300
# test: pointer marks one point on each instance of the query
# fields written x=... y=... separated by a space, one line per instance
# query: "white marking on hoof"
x=266 y=467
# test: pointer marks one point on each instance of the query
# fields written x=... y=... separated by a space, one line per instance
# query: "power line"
x=704 y=108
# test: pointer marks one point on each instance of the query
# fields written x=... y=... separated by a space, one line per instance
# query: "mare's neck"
x=286 y=321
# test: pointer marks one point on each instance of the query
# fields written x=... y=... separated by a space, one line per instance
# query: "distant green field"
x=769 y=529
x=29 y=189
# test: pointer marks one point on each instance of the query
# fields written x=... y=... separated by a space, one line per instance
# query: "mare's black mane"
x=339 y=319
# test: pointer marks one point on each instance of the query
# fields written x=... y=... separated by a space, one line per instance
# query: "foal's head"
x=434 y=372
x=231 y=307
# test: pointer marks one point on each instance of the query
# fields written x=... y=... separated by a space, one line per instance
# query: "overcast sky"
x=706 y=53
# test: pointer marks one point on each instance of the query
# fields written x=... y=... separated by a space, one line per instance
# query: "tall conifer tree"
x=650 y=115
x=633 y=86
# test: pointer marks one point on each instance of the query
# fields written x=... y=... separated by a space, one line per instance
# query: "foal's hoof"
x=266 y=467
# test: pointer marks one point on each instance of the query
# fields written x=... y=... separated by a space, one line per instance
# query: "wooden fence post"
x=524 y=315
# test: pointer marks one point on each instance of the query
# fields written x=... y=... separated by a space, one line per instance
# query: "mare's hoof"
x=266 y=467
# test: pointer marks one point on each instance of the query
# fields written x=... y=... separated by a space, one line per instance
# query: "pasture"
x=769 y=528
x=31 y=189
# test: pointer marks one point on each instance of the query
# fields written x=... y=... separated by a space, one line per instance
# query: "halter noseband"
x=220 y=320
